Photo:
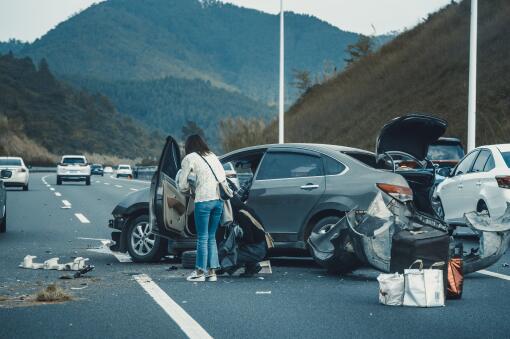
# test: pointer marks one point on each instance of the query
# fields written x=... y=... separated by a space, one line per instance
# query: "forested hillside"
x=45 y=116
x=168 y=104
x=230 y=46
x=423 y=70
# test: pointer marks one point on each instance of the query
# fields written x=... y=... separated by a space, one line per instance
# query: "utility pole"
x=282 y=77
x=471 y=139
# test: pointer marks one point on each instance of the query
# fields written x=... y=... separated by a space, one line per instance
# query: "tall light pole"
x=282 y=77
x=471 y=139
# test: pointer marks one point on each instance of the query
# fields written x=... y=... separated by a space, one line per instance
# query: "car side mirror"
x=5 y=174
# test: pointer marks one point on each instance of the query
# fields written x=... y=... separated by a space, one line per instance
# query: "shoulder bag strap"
x=209 y=167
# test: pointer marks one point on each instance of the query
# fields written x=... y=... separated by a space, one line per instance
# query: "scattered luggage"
x=391 y=289
x=426 y=244
x=424 y=287
x=455 y=278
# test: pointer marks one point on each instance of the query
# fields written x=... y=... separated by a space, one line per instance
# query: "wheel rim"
x=142 y=239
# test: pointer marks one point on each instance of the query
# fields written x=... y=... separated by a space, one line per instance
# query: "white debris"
x=263 y=292
x=52 y=264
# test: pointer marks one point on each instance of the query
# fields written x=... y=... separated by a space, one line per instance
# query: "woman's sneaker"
x=196 y=276
x=211 y=277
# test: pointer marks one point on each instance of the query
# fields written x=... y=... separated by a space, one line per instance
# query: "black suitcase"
x=426 y=243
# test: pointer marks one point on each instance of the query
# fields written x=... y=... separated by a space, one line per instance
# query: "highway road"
x=121 y=299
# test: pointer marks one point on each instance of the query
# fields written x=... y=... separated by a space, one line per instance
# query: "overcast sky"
x=30 y=19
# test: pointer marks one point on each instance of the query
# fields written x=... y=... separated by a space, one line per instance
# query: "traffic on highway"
x=342 y=206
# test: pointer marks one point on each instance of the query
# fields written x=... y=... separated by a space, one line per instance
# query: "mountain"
x=46 y=116
x=422 y=70
x=12 y=45
x=233 y=48
x=167 y=104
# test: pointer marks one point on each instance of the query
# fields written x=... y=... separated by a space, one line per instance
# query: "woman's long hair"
x=195 y=143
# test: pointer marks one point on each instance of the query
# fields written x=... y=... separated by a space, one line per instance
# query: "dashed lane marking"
x=97 y=181
x=52 y=189
x=58 y=194
x=133 y=189
x=495 y=275
x=66 y=203
x=187 y=324
x=119 y=186
x=105 y=248
x=106 y=183
x=82 y=218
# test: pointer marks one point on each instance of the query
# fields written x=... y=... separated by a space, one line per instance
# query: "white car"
x=73 y=168
x=124 y=171
x=20 y=173
x=108 y=169
x=480 y=182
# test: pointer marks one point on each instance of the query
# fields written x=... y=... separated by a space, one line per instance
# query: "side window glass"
x=169 y=165
x=279 y=165
x=333 y=166
x=480 y=161
x=489 y=165
x=465 y=164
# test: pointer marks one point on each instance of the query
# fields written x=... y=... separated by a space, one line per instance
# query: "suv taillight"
x=503 y=181
x=400 y=193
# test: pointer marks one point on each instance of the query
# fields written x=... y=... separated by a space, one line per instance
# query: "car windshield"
x=10 y=162
x=506 y=157
x=73 y=161
x=445 y=152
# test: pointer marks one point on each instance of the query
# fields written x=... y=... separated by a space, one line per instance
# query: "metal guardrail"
x=144 y=172
x=41 y=169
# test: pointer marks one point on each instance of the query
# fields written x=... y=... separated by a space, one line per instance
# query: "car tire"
x=3 y=223
x=25 y=187
x=189 y=259
x=344 y=260
x=59 y=180
x=117 y=176
x=87 y=181
x=152 y=248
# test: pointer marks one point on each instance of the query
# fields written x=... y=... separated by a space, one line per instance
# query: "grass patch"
x=52 y=293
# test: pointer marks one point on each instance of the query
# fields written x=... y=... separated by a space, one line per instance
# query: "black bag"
x=426 y=243
x=228 y=249
x=225 y=191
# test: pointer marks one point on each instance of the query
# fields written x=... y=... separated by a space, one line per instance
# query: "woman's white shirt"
x=206 y=185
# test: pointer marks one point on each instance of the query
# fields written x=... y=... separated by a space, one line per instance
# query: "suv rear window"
x=506 y=157
x=73 y=161
x=124 y=167
x=10 y=162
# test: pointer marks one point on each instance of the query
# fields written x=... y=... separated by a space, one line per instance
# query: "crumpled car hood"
x=412 y=134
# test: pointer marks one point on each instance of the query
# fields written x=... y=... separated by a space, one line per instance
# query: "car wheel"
x=59 y=180
x=87 y=181
x=344 y=259
x=320 y=225
x=25 y=187
x=143 y=246
x=189 y=259
x=3 y=223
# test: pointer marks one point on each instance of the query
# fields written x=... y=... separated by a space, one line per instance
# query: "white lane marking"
x=133 y=189
x=58 y=194
x=187 y=324
x=105 y=248
x=82 y=218
x=106 y=183
x=495 y=275
x=98 y=181
x=52 y=189
x=66 y=203
x=119 y=186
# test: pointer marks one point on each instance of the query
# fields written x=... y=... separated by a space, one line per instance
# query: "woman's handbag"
x=225 y=191
x=424 y=288
x=391 y=289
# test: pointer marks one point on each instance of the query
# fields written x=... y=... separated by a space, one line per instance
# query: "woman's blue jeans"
x=207 y=220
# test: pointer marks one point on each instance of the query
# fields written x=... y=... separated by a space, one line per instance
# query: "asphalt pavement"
x=121 y=299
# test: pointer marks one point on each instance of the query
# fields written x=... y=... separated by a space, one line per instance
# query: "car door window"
x=465 y=165
x=280 y=165
x=481 y=160
x=489 y=165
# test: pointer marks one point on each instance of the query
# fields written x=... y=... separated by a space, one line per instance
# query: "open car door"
x=167 y=203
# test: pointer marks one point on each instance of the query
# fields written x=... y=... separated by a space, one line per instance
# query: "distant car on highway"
x=446 y=152
x=4 y=175
x=73 y=168
x=108 y=170
x=96 y=169
x=20 y=173
x=124 y=171
x=480 y=182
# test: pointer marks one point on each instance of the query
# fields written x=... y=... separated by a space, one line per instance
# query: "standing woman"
x=201 y=162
